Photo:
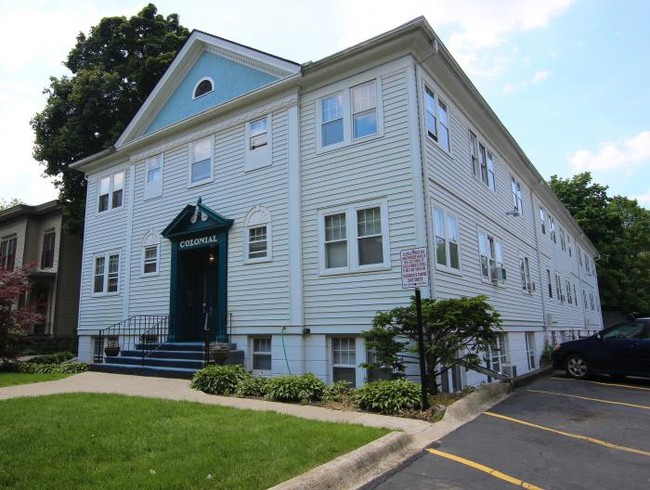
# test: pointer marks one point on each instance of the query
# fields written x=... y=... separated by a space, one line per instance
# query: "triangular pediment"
x=232 y=69
x=196 y=220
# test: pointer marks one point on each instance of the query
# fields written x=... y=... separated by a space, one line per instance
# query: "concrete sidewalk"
x=349 y=471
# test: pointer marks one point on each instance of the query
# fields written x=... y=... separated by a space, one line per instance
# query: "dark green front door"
x=197 y=293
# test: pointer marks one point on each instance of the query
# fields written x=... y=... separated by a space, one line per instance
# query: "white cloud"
x=537 y=78
x=477 y=25
x=626 y=155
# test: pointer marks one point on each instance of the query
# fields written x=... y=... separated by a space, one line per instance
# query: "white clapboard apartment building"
x=267 y=202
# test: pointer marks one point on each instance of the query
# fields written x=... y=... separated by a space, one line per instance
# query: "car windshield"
x=628 y=330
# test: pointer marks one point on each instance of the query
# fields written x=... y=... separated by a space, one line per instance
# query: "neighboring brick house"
x=33 y=236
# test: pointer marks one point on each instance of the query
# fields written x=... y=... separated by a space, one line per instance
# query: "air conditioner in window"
x=498 y=274
x=509 y=370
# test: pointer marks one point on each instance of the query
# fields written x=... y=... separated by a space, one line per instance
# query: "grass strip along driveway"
x=13 y=379
x=113 y=441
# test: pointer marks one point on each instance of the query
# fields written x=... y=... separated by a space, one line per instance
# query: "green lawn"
x=11 y=379
x=115 y=442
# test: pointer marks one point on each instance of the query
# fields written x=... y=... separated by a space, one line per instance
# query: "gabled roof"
x=25 y=210
x=198 y=44
x=196 y=219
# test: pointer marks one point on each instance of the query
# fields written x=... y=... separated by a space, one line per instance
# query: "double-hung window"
x=262 y=358
x=491 y=259
x=436 y=118
x=201 y=167
x=473 y=151
x=47 y=255
x=151 y=253
x=111 y=192
x=524 y=267
x=562 y=240
x=558 y=288
x=542 y=220
x=446 y=239
x=530 y=350
x=153 y=176
x=8 y=252
x=364 y=109
x=258 y=143
x=486 y=166
x=106 y=273
x=349 y=115
x=498 y=354
x=549 y=283
x=569 y=296
x=257 y=235
x=344 y=359
x=551 y=227
x=354 y=237
x=517 y=201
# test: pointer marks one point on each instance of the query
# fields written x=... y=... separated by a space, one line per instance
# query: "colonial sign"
x=203 y=241
x=415 y=268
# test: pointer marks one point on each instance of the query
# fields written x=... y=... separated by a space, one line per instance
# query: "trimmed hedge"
x=295 y=388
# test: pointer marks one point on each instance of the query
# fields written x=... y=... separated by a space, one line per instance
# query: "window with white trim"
x=562 y=240
x=47 y=254
x=551 y=227
x=344 y=359
x=498 y=353
x=257 y=235
x=575 y=294
x=550 y=283
x=568 y=244
x=569 y=296
x=203 y=87
x=530 y=350
x=8 y=252
x=486 y=170
x=349 y=115
x=153 y=174
x=517 y=201
x=261 y=354
x=201 y=166
x=558 y=288
x=106 y=273
x=258 y=143
x=542 y=220
x=491 y=259
x=111 y=192
x=151 y=253
x=446 y=237
x=437 y=118
x=354 y=238
x=473 y=150
x=524 y=269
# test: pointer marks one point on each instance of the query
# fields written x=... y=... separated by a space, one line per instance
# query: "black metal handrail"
x=136 y=333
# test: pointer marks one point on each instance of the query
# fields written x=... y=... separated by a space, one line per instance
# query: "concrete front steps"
x=171 y=360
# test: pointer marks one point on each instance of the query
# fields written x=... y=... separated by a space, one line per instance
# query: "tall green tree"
x=14 y=201
x=620 y=230
x=114 y=68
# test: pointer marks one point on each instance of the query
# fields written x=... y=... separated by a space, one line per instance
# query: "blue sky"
x=570 y=79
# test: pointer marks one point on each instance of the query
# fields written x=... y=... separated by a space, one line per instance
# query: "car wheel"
x=577 y=366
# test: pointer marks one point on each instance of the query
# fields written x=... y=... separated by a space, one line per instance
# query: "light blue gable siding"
x=231 y=79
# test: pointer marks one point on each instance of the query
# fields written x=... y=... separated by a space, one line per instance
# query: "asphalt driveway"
x=556 y=433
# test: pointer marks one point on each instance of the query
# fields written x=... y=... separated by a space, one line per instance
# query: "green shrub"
x=295 y=388
x=55 y=358
x=219 y=380
x=32 y=367
x=338 y=391
x=389 y=396
x=252 y=386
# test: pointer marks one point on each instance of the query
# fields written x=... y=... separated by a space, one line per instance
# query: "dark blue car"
x=620 y=350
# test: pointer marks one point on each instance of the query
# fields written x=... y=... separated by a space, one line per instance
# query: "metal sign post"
x=415 y=274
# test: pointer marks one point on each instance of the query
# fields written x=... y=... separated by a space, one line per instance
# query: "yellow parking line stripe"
x=624 y=404
x=568 y=434
x=616 y=385
x=485 y=469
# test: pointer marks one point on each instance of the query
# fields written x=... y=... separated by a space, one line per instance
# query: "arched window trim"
x=151 y=241
x=196 y=87
x=257 y=218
